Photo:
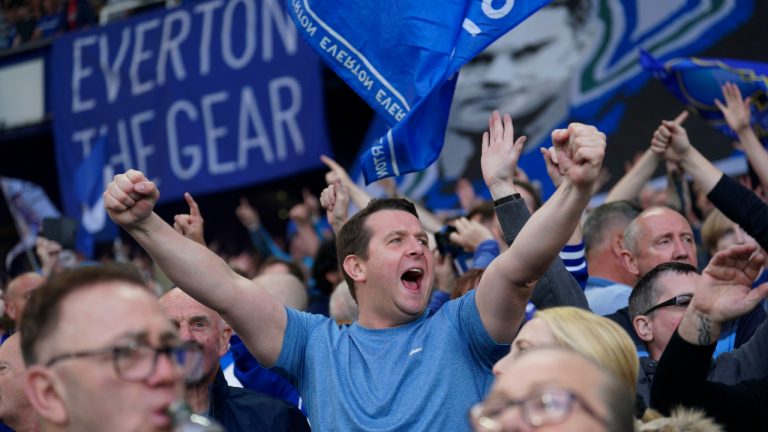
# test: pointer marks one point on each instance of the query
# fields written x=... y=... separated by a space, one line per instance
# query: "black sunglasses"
x=680 y=300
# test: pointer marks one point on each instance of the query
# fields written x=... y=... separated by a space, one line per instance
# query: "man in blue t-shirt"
x=397 y=367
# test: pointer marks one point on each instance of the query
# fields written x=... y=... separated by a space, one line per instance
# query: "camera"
x=444 y=244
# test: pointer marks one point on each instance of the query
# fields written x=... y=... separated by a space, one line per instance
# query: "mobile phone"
x=62 y=230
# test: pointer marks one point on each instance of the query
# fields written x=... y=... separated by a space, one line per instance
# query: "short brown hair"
x=354 y=236
x=42 y=312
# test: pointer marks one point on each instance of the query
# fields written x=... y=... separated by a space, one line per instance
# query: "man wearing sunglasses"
x=723 y=292
x=101 y=355
x=555 y=389
x=657 y=305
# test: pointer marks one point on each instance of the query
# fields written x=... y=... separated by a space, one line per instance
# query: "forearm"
x=544 y=235
x=357 y=194
x=703 y=172
x=698 y=328
x=756 y=154
x=557 y=287
x=630 y=186
x=429 y=221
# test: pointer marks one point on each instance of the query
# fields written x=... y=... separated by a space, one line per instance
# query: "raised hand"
x=469 y=234
x=190 y=225
x=300 y=214
x=500 y=153
x=735 y=110
x=553 y=168
x=579 y=151
x=670 y=140
x=337 y=169
x=724 y=291
x=248 y=215
x=335 y=201
x=130 y=198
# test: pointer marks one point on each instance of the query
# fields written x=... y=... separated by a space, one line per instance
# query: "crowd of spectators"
x=24 y=21
x=377 y=314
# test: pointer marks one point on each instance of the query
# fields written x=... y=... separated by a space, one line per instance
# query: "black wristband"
x=506 y=199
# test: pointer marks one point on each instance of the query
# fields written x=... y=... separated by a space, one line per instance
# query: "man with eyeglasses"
x=101 y=355
x=723 y=292
x=237 y=409
x=555 y=388
x=657 y=305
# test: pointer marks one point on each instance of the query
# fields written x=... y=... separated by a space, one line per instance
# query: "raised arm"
x=499 y=165
x=335 y=200
x=740 y=204
x=357 y=194
x=255 y=315
x=506 y=286
x=737 y=115
x=629 y=187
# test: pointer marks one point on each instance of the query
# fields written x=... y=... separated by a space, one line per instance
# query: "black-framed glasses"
x=679 y=300
x=137 y=362
x=546 y=407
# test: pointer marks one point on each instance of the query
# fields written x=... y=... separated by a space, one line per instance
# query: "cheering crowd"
x=645 y=313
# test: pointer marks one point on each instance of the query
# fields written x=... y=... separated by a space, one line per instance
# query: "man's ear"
x=355 y=268
x=629 y=263
x=226 y=334
x=10 y=310
x=617 y=244
x=643 y=328
x=46 y=395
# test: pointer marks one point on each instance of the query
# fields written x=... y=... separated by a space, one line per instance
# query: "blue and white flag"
x=29 y=205
x=91 y=178
x=402 y=57
x=697 y=83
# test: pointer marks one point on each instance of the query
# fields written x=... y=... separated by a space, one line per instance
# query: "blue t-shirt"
x=421 y=376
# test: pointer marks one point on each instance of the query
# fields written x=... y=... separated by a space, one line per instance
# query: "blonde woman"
x=595 y=337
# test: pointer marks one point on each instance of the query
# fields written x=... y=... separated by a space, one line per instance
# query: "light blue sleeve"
x=463 y=313
x=298 y=329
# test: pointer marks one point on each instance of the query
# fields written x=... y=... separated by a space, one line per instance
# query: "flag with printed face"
x=402 y=57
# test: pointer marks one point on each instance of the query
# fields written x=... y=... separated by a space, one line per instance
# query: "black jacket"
x=239 y=409
x=681 y=379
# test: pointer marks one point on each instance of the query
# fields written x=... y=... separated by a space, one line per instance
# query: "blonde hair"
x=597 y=338
x=715 y=226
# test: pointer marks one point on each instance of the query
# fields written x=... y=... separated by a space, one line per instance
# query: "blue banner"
x=697 y=82
x=402 y=57
x=207 y=96
x=577 y=61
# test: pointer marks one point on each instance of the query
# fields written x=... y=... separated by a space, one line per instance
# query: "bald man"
x=656 y=236
x=17 y=293
x=207 y=391
x=286 y=288
x=15 y=409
